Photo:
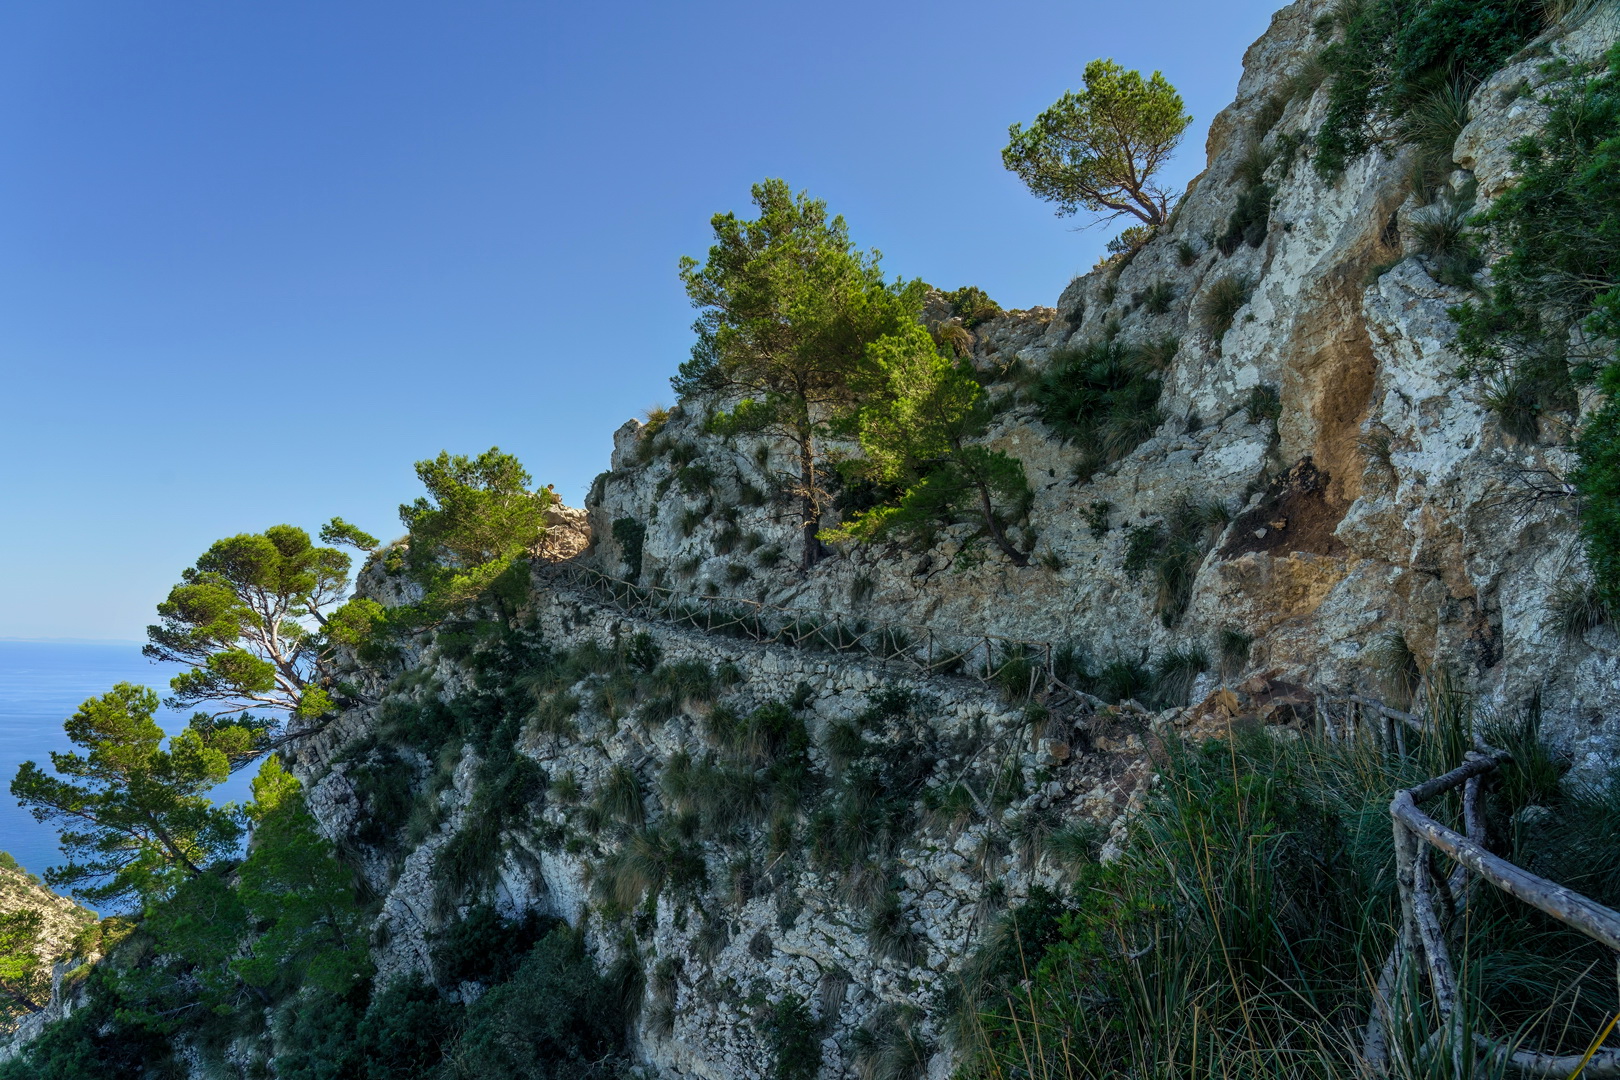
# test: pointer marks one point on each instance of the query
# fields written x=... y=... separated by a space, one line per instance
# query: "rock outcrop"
x=1421 y=517
x=62 y=922
x=1361 y=494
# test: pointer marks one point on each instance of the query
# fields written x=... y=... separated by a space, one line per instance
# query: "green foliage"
x=1442 y=235
x=788 y=308
x=290 y=940
x=890 y=934
x=1264 y=404
x=246 y=622
x=135 y=817
x=1434 y=123
x=338 y=531
x=891 y=1045
x=1124 y=247
x=1390 y=54
x=311 y=928
x=630 y=535
x=1253 y=897
x=915 y=433
x=94 y=1043
x=1250 y=219
x=1101 y=148
x=509 y=787
x=24 y=980
x=1124 y=679
x=1168 y=553
x=1233 y=647
x=1103 y=397
x=793 y=1038
x=1157 y=298
x=1598 y=479
x=972 y=305
x=1221 y=304
x=1097 y=512
x=1556 y=233
x=556 y=1019
x=477 y=517
x=1174 y=675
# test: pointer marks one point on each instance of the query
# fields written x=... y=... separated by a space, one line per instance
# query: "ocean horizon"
x=42 y=683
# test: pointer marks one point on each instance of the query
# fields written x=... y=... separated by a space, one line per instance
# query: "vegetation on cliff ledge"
x=1547 y=324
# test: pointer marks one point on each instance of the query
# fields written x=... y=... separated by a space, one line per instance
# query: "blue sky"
x=256 y=259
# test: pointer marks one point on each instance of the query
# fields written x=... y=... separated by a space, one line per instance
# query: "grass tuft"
x=1221 y=303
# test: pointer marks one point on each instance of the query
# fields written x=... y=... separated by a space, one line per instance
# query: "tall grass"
x=1242 y=930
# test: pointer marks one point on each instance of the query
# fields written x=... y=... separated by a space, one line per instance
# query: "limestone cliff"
x=1417 y=514
x=62 y=924
x=1365 y=492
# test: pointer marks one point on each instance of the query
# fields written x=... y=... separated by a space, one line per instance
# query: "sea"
x=42 y=683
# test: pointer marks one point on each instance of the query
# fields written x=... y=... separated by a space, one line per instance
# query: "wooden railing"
x=1433 y=903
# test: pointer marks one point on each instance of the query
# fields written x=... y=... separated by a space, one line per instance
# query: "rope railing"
x=1016 y=666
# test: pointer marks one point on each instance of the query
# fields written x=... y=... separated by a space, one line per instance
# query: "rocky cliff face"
x=62 y=921
x=1364 y=491
x=1416 y=514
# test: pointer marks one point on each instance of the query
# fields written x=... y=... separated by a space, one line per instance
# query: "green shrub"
x=1264 y=404
x=1174 y=675
x=972 y=305
x=630 y=535
x=1167 y=554
x=1250 y=219
x=1097 y=518
x=890 y=934
x=1157 y=298
x=1233 y=647
x=1252 y=902
x=1391 y=56
x=793 y=1038
x=1124 y=679
x=1558 y=229
x=1100 y=398
x=891 y=1046
x=383 y=781
x=691 y=518
x=1221 y=304
x=555 y=1019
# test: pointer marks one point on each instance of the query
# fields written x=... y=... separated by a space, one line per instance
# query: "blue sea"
x=43 y=683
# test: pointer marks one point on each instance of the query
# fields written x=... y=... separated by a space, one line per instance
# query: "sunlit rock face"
x=1423 y=518
x=1364 y=492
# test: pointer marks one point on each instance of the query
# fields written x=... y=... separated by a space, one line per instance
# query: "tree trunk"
x=987 y=510
x=809 y=506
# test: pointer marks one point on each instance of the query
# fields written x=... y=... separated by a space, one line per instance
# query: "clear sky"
x=256 y=259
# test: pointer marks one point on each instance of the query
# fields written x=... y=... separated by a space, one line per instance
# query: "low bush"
x=972 y=305
x=1167 y=554
x=1390 y=58
x=1221 y=303
x=1157 y=298
x=793 y=1038
x=1103 y=397
x=630 y=535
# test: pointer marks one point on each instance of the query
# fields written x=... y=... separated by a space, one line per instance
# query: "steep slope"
x=1369 y=492
x=62 y=923
x=782 y=809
